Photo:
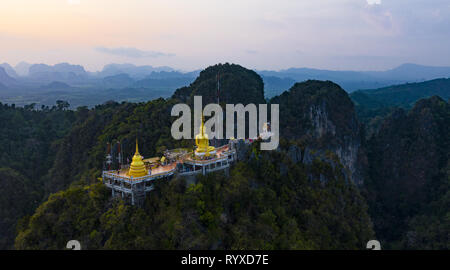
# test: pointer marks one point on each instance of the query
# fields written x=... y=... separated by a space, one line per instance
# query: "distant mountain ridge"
x=275 y=81
x=5 y=79
x=121 y=80
x=62 y=68
x=355 y=80
x=22 y=68
x=63 y=72
x=404 y=95
x=412 y=72
x=9 y=70
x=153 y=79
x=130 y=69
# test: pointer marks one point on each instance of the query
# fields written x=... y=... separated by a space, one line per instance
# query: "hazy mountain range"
x=354 y=80
x=40 y=83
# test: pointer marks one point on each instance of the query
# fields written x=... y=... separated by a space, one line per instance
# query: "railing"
x=212 y=160
x=219 y=168
x=187 y=173
x=186 y=158
x=115 y=176
x=119 y=188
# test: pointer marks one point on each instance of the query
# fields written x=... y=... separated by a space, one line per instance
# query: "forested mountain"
x=238 y=84
x=371 y=103
x=409 y=177
x=321 y=116
x=315 y=192
x=259 y=206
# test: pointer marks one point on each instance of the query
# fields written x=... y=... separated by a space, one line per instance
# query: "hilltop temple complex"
x=134 y=181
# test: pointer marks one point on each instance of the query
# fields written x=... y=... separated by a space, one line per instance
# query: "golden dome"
x=137 y=167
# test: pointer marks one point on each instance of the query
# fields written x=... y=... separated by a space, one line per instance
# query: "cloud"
x=374 y=2
x=132 y=52
x=380 y=17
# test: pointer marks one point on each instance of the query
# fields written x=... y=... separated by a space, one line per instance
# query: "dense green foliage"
x=20 y=197
x=81 y=153
x=404 y=95
x=259 y=206
x=27 y=135
x=408 y=183
x=28 y=139
x=372 y=105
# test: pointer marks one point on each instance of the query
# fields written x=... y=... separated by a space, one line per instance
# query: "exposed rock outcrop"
x=321 y=116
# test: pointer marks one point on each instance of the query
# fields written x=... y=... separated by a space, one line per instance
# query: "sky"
x=258 y=34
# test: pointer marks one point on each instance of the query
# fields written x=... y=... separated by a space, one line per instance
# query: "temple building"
x=135 y=181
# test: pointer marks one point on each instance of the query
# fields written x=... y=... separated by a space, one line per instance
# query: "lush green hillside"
x=201 y=220
x=259 y=206
x=408 y=182
x=404 y=95
x=28 y=139
x=379 y=102
x=20 y=196
x=81 y=153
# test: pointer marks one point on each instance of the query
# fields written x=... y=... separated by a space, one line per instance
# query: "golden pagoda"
x=202 y=142
x=137 y=167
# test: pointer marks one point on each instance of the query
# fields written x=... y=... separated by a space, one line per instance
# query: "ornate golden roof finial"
x=137 y=148
x=137 y=166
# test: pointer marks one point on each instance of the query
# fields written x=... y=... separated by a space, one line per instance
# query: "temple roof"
x=137 y=167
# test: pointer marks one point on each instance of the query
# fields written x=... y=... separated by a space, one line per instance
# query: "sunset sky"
x=259 y=34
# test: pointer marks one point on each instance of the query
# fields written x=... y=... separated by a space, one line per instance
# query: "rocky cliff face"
x=319 y=114
x=321 y=117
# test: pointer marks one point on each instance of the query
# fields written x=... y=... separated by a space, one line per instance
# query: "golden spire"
x=137 y=167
